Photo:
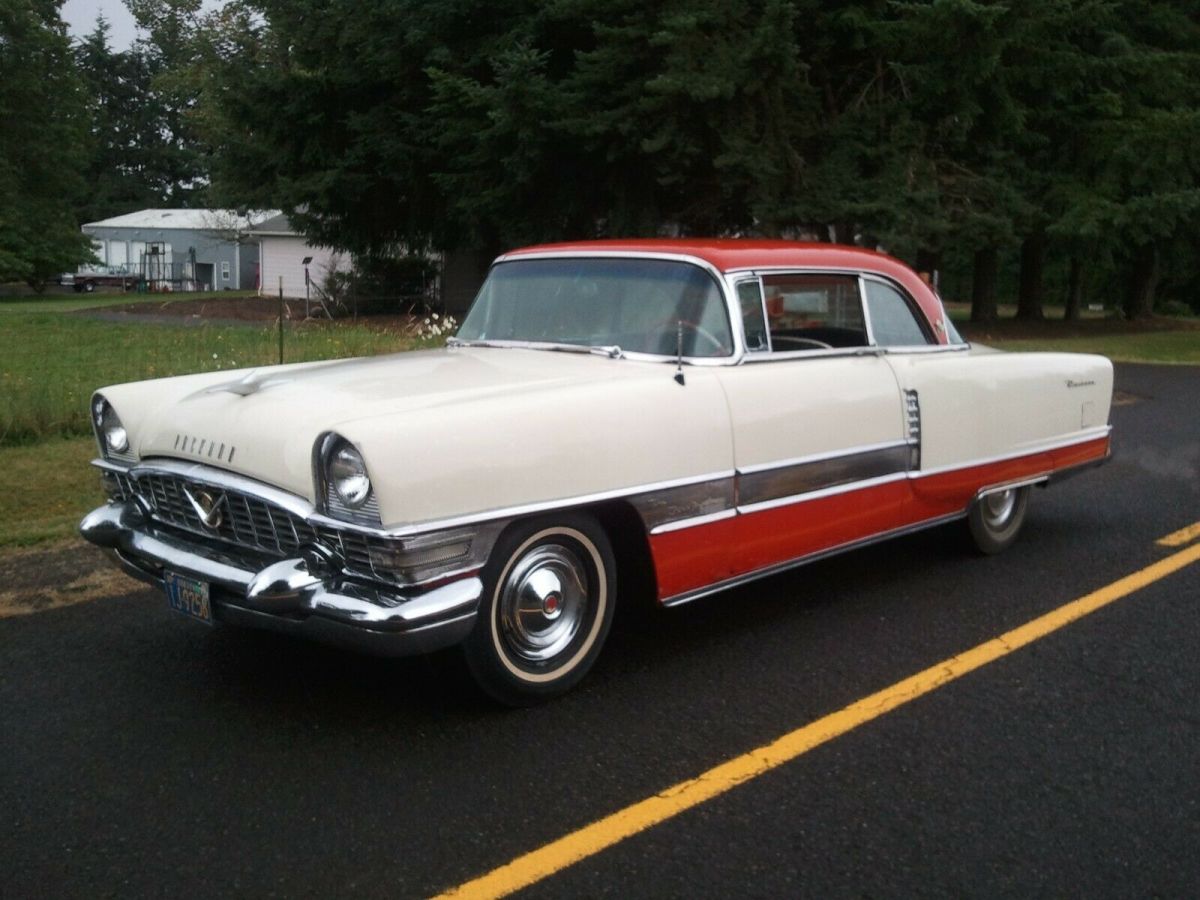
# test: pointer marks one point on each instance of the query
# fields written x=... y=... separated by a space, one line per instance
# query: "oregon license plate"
x=188 y=596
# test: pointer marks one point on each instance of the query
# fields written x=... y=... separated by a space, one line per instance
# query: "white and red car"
x=688 y=413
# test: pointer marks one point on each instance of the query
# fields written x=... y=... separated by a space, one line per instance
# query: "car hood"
x=420 y=418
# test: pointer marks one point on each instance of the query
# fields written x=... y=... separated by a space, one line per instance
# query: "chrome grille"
x=117 y=485
x=246 y=521
x=253 y=523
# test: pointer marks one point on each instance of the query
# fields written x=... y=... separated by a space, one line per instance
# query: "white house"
x=282 y=251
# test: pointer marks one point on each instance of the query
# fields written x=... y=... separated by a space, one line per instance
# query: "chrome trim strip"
x=1091 y=434
x=866 y=312
x=681 y=524
x=782 y=355
x=701 y=499
x=1010 y=485
x=776 y=568
x=812 y=477
x=545 y=505
x=821 y=457
x=821 y=493
x=105 y=465
x=931 y=348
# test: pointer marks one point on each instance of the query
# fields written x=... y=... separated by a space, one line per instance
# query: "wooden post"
x=281 y=320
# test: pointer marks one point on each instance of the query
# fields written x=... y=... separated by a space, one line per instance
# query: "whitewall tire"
x=549 y=595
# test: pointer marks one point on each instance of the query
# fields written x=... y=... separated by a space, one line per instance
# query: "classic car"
x=684 y=415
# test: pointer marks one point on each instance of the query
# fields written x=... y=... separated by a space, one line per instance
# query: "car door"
x=821 y=436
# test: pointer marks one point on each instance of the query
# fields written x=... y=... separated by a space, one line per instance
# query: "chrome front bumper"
x=288 y=596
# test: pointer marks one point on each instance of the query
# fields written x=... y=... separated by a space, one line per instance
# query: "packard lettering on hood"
x=682 y=414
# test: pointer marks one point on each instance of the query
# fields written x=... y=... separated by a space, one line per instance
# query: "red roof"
x=729 y=254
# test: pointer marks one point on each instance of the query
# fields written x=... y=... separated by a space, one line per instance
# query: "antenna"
x=679 y=351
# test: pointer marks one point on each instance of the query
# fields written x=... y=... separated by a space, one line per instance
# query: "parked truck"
x=87 y=278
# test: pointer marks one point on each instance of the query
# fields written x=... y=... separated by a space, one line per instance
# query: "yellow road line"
x=591 y=839
x=1180 y=537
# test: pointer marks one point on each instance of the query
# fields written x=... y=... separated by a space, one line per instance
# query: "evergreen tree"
x=126 y=142
x=172 y=62
x=41 y=145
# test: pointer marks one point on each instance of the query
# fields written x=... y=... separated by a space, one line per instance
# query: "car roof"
x=728 y=254
x=732 y=254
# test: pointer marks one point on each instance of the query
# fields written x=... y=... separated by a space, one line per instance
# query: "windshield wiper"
x=612 y=351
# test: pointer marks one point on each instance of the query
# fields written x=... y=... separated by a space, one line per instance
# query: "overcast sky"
x=80 y=16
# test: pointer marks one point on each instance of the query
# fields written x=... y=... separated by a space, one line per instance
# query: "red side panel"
x=694 y=558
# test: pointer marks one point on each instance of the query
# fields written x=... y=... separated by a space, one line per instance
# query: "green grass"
x=73 y=302
x=51 y=363
x=49 y=486
x=1150 y=346
x=961 y=312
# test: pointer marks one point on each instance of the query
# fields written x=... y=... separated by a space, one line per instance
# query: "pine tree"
x=41 y=145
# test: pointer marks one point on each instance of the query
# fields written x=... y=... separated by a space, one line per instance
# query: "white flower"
x=214 y=356
x=435 y=315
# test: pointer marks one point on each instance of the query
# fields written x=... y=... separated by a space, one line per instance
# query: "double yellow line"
x=591 y=839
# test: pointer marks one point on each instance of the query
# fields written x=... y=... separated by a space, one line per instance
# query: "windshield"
x=639 y=305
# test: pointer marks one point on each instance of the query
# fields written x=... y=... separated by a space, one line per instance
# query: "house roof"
x=189 y=219
x=278 y=224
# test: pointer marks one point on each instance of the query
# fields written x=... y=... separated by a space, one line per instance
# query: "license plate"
x=188 y=596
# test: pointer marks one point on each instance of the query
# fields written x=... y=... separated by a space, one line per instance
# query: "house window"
x=225 y=270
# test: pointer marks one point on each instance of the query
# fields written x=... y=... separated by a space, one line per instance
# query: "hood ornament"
x=206 y=505
x=250 y=383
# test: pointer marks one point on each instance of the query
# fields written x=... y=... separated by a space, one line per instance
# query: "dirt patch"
x=41 y=578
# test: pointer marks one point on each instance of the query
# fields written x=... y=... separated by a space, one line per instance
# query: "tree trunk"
x=1029 y=295
x=1074 y=290
x=983 y=285
x=1139 y=301
x=928 y=263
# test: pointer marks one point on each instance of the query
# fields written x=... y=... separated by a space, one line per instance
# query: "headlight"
x=108 y=426
x=348 y=475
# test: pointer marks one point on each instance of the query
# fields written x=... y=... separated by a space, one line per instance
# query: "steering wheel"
x=671 y=325
x=809 y=342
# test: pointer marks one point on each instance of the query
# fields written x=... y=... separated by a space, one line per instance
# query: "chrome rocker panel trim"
x=285 y=596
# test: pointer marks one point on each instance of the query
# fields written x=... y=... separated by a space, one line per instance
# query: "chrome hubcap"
x=998 y=507
x=543 y=601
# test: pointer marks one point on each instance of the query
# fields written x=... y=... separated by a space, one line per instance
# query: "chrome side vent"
x=912 y=412
x=204 y=448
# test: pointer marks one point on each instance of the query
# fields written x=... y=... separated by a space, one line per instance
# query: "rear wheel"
x=996 y=518
x=549 y=592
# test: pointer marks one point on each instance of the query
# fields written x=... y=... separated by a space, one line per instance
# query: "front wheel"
x=996 y=518
x=549 y=594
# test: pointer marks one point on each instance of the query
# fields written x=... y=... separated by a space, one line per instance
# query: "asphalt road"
x=141 y=754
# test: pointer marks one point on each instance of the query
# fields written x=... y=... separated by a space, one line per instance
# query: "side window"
x=753 y=321
x=893 y=322
x=814 y=312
